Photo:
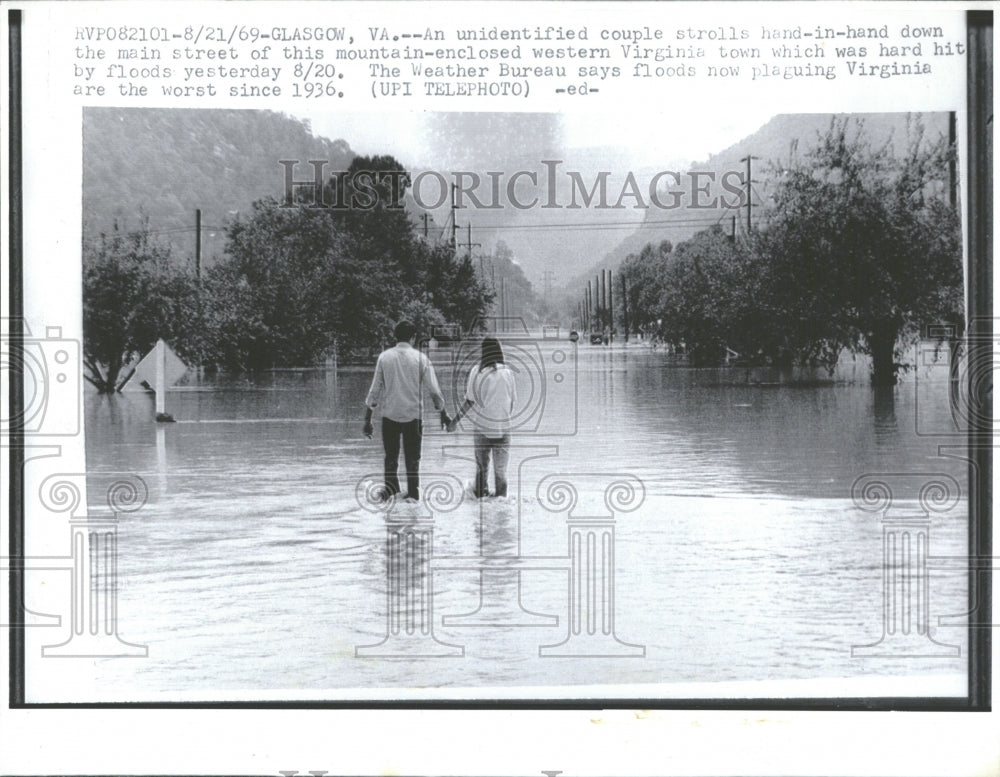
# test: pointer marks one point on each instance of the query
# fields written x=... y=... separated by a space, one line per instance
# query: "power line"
x=163 y=231
x=702 y=220
x=468 y=242
x=693 y=221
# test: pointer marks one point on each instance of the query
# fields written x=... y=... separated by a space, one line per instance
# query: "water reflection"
x=884 y=409
x=587 y=561
x=684 y=429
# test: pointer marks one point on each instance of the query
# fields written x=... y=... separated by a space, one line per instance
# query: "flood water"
x=734 y=561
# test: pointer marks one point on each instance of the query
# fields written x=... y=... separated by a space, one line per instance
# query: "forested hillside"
x=161 y=165
x=773 y=146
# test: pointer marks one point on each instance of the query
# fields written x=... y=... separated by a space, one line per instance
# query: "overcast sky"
x=650 y=140
x=634 y=141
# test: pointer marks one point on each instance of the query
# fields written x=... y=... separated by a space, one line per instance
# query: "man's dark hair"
x=404 y=331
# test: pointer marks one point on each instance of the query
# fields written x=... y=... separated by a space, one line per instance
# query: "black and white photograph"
x=606 y=365
x=374 y=457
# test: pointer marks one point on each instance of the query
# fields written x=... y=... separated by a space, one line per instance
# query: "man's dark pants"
x=411 y=432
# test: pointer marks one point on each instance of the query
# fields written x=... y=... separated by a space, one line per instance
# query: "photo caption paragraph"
x=379 y=63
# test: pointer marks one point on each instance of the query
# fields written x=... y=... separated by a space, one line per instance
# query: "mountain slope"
x=163 y=164
x=773 y=145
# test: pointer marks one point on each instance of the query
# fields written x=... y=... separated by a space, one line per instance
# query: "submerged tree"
x=706 y=298
x=644 y=274
x=860 y=248
x=863 y=247
x=304 y=278
x=133 y=294
x=293 y=284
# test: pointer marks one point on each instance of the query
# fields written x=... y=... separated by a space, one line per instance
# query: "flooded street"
x=670 y=532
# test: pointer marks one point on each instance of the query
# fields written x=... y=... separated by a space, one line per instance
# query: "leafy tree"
x=133 y=294
x=704 y=297
x=301 y=280
x=644 y=275
x=374 y=189
x=454 y=285
x=424 y=316
x=504 y=272
x=372 y=196
x=862 y=247
x=295 y=284
x=366 y=200
x=234 y=322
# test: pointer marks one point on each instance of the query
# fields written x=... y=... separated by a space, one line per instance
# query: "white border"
x=432 y=742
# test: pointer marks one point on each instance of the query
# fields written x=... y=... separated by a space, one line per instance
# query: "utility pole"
x=604 y=299
x=589 y=297
x=611 y=307
x=197 y=275
x=454 y=223
x=597 y=303
x=952 y=172
x=590 y=308
x=590 y=305
x=625 y=321
x=503 y=303
x=425 y=215
x=197 y=244
x=747 y=159
x=469 y=244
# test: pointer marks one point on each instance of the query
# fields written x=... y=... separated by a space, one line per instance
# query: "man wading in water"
x=401 y=373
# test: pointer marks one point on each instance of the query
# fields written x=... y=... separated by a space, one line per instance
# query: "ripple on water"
x=254 y=567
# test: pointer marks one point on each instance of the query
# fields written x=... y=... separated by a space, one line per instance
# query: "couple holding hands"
x=490 y=397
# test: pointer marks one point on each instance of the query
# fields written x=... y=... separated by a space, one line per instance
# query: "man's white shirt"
x=401 y=375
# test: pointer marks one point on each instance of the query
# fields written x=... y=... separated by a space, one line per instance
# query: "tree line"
x=298 y=281
x=859 y=249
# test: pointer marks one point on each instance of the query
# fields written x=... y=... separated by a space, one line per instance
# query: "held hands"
x=446 y=422
x=453 y=425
